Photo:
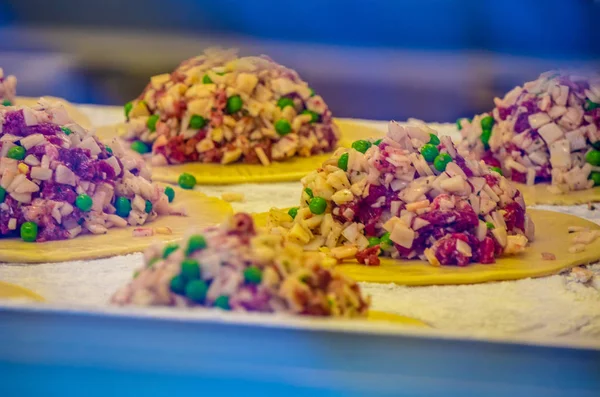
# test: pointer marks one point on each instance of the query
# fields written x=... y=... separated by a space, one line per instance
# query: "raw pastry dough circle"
x=12 y=291
x=539 y=194
x=77 y=116
x=551 y=236
x=203 y=211
x=293 y=169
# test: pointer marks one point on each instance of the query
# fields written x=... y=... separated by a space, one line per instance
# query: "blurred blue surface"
x=557 y=31
x=64 y=355
x=531 y=27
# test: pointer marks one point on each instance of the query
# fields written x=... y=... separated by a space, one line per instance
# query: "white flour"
x=550 y=306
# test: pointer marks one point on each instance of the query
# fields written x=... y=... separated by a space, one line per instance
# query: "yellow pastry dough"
x=216 y=174
x=77 y=116
x=202 y=211
x=394 y=318
x=539 y=194
x=12 y=291
x=551 y=236
x=107 y=133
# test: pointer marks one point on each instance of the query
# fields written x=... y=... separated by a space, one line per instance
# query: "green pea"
x=361 y=145
x=293 y=212
x=485 y=138
x=140 y=147
x=123 y=206
x=284 y=102
x=6 y=102
x=487 y=123
x=252 y=275
x=84 y=202
x=197 y=122
x=190 y=269
x=177 y=285
x=593 y=157
x=312 y=92
x=305 y=278
x=108 y=149
x=594 y=176
x=196 y=242
x=589 y=105
x=434 y=139
x=429 y=152
x=377 y=142
x=187 y=181
x=222 y=302
x=152 y=262
x=206 y=79
x=458 y=125
x=234 y=104
x=317 y=205
x=496 y=169
x=490 y=225
x=373 y=241
x=385 y=242
x=151 y=123
x=309 y=192
x=2 y=194
x=196 y=291
x=283 y=127
x=29 y=231
x=16 y=153
x=128 y=106
x=66 y=130
x=169 y=249
x=343 y=162
x=441 y=161
x=314 y=116
x=170 y=193
x=148 y=207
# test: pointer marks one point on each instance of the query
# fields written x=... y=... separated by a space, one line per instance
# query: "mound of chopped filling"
x=545 y=131
x=218 y=108
x=57 y=180
x=408 y=195
x=8 y=89
x=233 y=267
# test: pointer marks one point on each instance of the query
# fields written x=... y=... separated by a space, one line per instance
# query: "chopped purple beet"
x=522 y=123
x=44 y=129
x=14 y=123
x=62 y=173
